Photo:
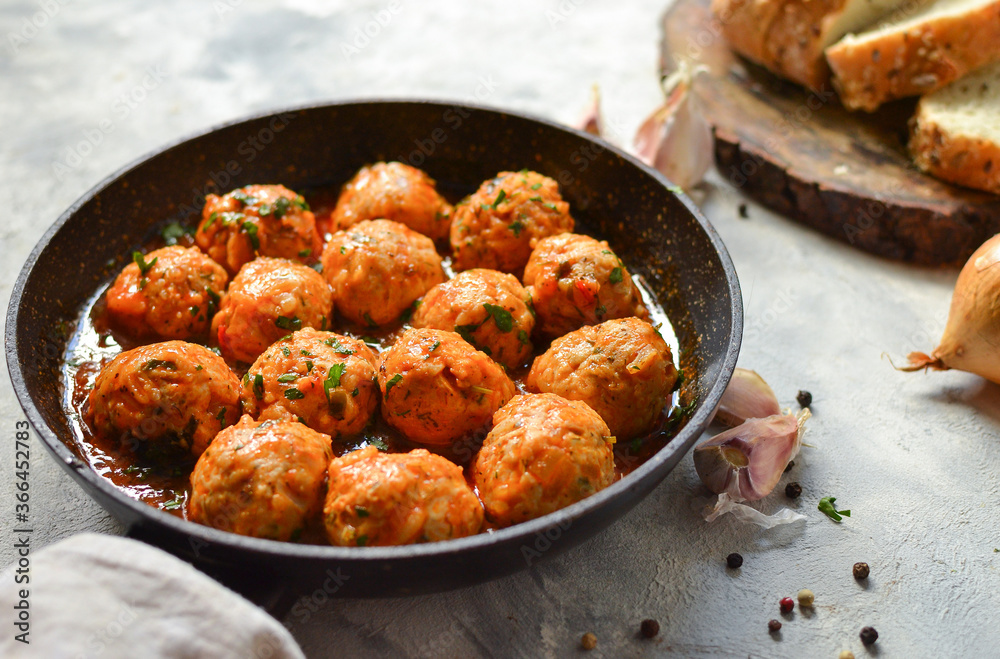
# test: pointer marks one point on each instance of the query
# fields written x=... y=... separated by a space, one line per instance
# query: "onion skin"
x=971 y=340
x=747 y=461
x=748 y=396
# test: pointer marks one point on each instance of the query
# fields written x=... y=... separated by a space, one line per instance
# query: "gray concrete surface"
x=88 y=87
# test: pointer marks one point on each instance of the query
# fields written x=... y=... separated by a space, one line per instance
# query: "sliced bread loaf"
x=789 y=36
x=955 y=134
x=915 y=50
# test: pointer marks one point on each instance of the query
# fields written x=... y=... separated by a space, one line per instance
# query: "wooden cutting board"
x=803 y=155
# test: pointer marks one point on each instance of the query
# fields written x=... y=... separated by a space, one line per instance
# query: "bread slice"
x=789 y=36
x=915 y=51
x=955 y=134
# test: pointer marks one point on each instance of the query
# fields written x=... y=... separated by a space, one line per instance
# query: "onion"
x=971 y=340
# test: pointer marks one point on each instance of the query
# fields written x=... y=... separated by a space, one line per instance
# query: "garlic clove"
x=748 y=396
x=747 y=461
x=591 y=120
x=676 y=139
x=972 y=333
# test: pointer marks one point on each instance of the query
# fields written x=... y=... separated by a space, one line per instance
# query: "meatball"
x=265 y=480
x=268 y=299
x=378 y=268
x=544 y=453
x=489 y=309
x=164 y=396
x=436 y=388
x=397 y=192
x=622 y=368
x=266 y=220
x=324 y=379
x=575 y=280
x=494 y=228
x=170 y=293
x=398 y=499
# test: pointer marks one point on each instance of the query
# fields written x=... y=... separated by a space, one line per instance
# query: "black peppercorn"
x=868 y=635
x=774 y=626
x=793 y=490
x=743 y=211
x=805 y=398
x=861 y=570
x=649 y=628
x=788 y=467
x=734 y=560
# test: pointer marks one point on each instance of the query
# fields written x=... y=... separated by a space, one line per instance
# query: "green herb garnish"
x=500 y=198
x=522 y=336
x=361 y=511
x=368 y=319
x=293 y=394
x=517 y=226
x=827 y=508
x=174 y=232
x=616 y=276
x=251 y=231
x=288 y=377
x=258 y=386
x=141 y=262
x=288 y=323
x=503 y=319
x=332 y=380
x=159 y=363
x=393 y=381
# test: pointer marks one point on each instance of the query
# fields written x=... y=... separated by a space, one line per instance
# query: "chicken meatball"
x=437 y=389
x=266 y=220
x=265 y=480
x=164 y=397
x=621 y=368
x=543 y=454
x=378 y=268
x=268 y=299
x=489 y=309
x=575 y=280
x=494 y=228
x=170 y=293
x=397 y=192
x=325 y=380
x=398 y=499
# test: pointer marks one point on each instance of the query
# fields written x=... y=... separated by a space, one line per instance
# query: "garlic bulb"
x=676 y=139
x=748 y=396
x=746 y=462
x=972 y=333
x=590 y=121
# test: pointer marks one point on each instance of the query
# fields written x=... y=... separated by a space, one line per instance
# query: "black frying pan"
x=660 y=235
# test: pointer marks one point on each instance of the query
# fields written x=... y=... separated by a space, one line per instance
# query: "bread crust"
x=915 y=61
x=784 y=36
x=965 y=160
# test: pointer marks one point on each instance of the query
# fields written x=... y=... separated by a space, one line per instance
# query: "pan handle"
x=265 y=589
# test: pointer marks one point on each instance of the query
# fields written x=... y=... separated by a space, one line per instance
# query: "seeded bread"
x=789 y=36
x=915 y=50
x=955 y=134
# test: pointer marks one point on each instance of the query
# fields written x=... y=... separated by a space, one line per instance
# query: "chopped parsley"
x=361 y=511
x=288 y=377
x=536 y=186
x=293 y=394
x=517 y=226
x=242 y=197
x=361 y=540
x=159 y=363
x=368 y=319
x=251 y=230
x=193 y=311
x=303 y=253
x=309 y=367
x=393 y=381
x=522 y=336
x=434 y=347
x=174 y=232
x=258 y=386
x=500 y=198
x=503 y=319
x=281 y=206
x=332 y=380
x=616 y=276
x=338 y=347
x=140 y=261
x=288 y=323
x=213 y=301
x=175 y=503
x=301 y=203
x=827 y=508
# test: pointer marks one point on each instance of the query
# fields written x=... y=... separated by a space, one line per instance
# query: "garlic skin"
x=746 y=462
x=971 y=340
x=676 y=140
x=748 y=396
x=591 y=121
